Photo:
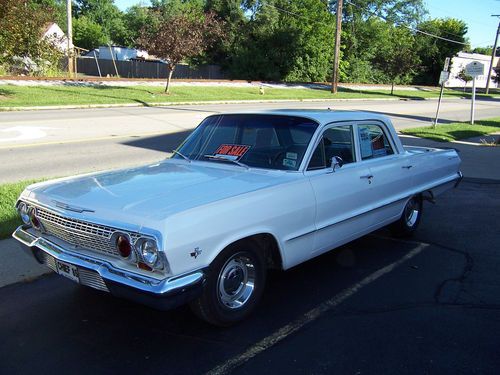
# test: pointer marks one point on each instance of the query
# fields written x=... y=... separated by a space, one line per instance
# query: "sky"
x=476 y=13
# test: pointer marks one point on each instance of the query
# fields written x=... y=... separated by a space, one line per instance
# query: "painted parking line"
x=310 y=316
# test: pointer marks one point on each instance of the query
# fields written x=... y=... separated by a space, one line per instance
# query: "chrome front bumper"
x=96 y=273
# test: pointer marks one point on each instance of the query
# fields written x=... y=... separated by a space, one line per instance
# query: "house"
x=53 y=32
x=461 y=60
x=120 y=53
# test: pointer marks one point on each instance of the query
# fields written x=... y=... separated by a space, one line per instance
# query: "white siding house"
x=461 y=60
x=54 y=33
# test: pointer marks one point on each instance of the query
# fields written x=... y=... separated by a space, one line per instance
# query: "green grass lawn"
x=457 y=130
x=9 y=219
x=22 y=96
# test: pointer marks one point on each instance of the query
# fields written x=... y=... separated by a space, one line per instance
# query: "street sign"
x=446 y=64
x=443 y=77
x=474 y=69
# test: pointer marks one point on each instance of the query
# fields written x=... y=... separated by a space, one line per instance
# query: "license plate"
x=67 y=270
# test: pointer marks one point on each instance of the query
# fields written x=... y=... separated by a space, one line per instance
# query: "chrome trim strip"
x=346 y=219
x=107 y=271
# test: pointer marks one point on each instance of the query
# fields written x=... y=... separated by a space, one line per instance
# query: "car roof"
x=322 y=116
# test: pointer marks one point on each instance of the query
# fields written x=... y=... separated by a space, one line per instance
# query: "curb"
x=164 y=104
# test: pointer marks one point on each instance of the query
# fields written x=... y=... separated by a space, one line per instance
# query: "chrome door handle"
x=407 y=166
x=368 y=177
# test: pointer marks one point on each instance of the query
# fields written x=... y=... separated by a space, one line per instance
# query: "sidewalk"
x=478 y=160
x=16 y=266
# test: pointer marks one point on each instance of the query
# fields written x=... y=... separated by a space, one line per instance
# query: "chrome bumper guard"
x=98 y=274
x=459 y=179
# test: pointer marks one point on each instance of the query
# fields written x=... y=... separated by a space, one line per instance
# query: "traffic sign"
x=474 y=69
x=446 y=64
x=443 y=77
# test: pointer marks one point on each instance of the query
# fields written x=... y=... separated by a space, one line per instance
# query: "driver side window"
x=336 y=141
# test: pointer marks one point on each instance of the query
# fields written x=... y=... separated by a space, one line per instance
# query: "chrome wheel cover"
x=235 y=284
x=412 y=211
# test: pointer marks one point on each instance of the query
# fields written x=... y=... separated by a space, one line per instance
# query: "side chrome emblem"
x=196 y=252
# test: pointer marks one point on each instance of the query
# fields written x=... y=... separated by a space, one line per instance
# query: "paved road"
x=57 y=143
x=377 y=305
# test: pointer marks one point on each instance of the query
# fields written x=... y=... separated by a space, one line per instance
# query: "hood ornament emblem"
x=72 y=208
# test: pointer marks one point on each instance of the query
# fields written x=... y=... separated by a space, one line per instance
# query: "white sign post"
x=474 y=69
x=443 y=77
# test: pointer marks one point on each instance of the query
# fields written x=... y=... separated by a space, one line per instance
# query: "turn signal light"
x=123 y=246
x=34 y=220
x=144 y=266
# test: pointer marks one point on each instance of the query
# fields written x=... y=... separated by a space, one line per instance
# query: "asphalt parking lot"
x=377 y=305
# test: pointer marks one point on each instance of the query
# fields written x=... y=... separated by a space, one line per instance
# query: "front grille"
x=87 y=277
x=48 y=260
x=92 y=279
x=80 y=233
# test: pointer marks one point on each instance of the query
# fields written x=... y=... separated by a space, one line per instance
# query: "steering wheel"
x=274 y=160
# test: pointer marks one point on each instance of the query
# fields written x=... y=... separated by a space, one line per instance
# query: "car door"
x=342 y=194
x=389 y=171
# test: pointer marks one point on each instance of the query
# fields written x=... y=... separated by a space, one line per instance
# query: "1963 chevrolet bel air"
x=243 y=193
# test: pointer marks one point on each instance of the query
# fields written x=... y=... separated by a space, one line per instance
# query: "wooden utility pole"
x=492 y=55
x=71 y=51
x=336 y=56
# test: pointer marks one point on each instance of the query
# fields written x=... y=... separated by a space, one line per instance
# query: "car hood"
x=153 y=191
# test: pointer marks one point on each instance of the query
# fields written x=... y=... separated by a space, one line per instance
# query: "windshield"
x=260 y=141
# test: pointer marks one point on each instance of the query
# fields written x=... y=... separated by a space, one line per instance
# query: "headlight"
x=149 y=251
x=24 y=212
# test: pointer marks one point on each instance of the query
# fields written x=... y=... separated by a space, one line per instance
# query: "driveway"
x=376 y=305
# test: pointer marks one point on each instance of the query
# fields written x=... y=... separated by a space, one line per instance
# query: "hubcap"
x=235 y=284
x=411 y=212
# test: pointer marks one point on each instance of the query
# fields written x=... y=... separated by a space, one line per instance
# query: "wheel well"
x=269 y=245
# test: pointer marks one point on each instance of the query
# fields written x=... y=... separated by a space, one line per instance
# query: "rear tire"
x=408 y=223
x=235 y=284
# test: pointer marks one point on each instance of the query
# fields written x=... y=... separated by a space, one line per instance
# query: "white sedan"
x=245 y=192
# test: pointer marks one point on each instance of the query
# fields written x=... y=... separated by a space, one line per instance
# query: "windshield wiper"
x=181 y=155
x=222 y=158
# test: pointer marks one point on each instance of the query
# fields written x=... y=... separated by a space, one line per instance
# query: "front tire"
x=235 y=283
x=410 y=218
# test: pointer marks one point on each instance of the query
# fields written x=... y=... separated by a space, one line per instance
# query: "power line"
x=407 y=26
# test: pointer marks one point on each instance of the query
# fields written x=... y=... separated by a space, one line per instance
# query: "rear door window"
x=373 y=142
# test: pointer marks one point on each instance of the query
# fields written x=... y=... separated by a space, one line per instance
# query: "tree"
x=433 y=51
x=104 y=13
x=285 y=40
x=397 y=57
x=134 y=20
x=483 y=50
x=176 y=38
x=88 y=34
x=496 y=77
x=57 y=9
x=464 y=77
x=21 y=28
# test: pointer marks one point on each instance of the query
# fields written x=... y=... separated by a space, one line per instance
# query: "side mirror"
x=336 y=163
